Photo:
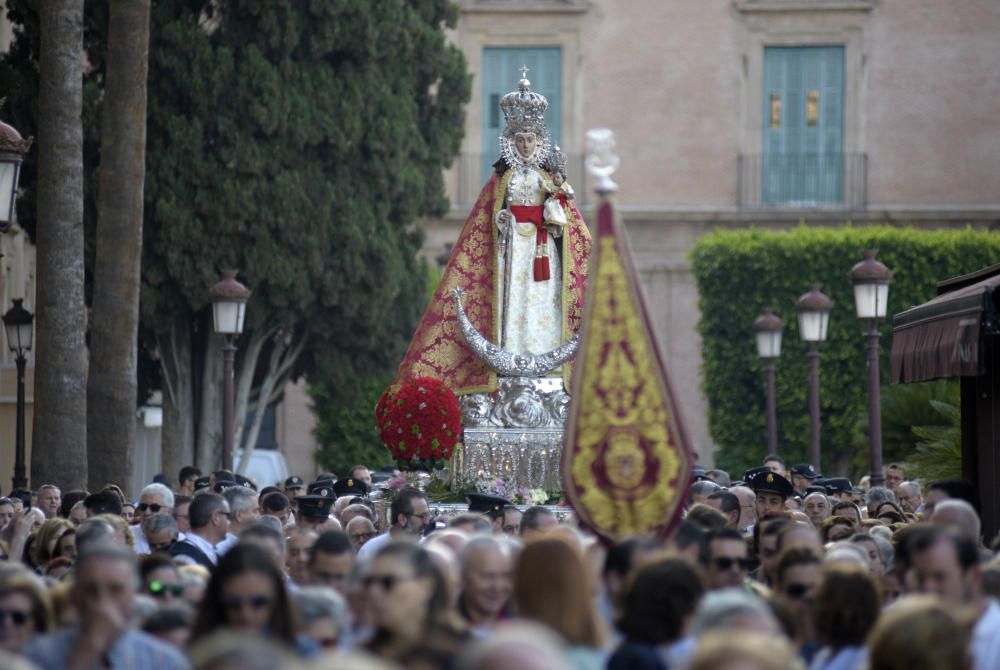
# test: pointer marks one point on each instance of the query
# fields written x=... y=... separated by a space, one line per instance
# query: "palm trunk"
x=111 y=389
x=59 y=442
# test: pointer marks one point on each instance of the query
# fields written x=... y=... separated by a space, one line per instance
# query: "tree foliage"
x=939 y=448
x=346 y=430
x=738 y=273
x=296 y=142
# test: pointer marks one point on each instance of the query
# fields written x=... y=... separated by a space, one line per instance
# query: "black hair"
x=333 y=542
x=276 y=501
x=186 y=473
x=103 y=502
x=403 y=502
x=728 y=502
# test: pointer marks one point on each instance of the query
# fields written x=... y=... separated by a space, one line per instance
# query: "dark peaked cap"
x=771 y=482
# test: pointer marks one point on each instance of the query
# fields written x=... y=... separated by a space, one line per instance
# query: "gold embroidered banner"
x=626 y=461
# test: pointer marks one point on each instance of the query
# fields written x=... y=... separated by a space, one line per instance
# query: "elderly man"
x=876 y=496
x=909 y=496
x=699 y=491
x=487 y=581
x=104 y=588
x=49 y=499
x=244 y=509
x=154 y=500
x=817 y=508
x=360 y=530
x=209 y=524
x=160 y=532
x=958 y=515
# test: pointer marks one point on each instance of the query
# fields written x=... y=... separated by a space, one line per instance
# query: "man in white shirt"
x=155 y=499
x=410 y=515
x=947 y=564
x=209 y=514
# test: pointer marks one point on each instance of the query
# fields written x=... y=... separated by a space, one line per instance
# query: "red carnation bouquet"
x=420 y=422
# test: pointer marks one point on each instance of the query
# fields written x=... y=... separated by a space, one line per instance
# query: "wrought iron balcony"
x=803 y=180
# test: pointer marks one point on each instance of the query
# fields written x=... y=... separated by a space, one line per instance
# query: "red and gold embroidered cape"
x=438 y=348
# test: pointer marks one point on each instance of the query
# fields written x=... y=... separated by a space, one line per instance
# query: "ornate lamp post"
x=814 y=314
x=768 y=328
x=12 y=150
x=229 y=303
x=871 y=296
x=19 y=326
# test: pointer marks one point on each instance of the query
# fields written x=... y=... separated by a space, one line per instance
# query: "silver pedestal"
x=515 y=433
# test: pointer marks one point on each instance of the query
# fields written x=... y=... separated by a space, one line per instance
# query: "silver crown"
x=523 y=109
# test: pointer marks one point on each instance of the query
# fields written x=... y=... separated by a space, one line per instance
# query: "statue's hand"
x=504 y=217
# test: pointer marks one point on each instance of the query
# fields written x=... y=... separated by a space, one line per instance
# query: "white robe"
x=532 y=310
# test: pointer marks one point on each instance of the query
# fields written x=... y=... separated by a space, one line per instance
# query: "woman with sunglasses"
x=246 y=593
x=24 y=611
x=410 y=607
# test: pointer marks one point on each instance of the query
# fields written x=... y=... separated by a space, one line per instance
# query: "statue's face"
x=525 y=143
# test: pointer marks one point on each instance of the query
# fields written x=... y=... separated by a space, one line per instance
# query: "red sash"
x=533 y=214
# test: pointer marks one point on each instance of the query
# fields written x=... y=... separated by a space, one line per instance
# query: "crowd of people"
x=781 y=570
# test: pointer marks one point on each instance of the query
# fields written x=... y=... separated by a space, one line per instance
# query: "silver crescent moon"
x=508 y=363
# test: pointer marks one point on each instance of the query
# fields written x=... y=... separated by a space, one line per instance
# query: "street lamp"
x=12 y=150
x=768 y=328
x=19 y=326
x=871 y=296
x=229 y=303
x=814 y=314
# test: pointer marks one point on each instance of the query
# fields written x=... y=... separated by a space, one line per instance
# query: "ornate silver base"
x=515 y=433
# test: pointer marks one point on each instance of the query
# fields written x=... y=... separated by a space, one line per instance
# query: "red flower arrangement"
x=420 y=422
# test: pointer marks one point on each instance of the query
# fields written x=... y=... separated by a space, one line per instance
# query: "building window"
x=501 y=72
x=803 y=162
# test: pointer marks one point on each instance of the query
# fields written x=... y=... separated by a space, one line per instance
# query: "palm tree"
x=59 y=440
x=111 y=389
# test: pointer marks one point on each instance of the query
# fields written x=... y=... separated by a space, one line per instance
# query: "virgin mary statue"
x=520 y=260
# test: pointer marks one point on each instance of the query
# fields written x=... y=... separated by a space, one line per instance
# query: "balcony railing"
x=469 y=172
x=803 y=180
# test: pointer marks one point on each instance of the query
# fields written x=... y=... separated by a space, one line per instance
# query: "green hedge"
x=739 y=273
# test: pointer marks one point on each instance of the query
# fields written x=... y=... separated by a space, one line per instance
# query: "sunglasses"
x=796 y=591
x=154 y=508
x=363 y=536
x=159 y=589
x=386 y=582
x=258 y=602
x=725 y=563
x=17 y=617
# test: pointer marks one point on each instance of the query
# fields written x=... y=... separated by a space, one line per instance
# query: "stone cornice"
x=524 y=6
x=752 y=6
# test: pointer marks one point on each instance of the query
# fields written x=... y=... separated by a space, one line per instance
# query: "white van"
x=267 y=467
